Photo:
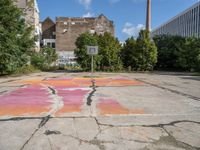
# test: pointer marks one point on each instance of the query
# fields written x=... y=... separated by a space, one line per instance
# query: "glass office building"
x=185 y=24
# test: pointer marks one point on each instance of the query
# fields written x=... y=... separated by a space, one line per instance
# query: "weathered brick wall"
x=48 y=29
x=69 y=29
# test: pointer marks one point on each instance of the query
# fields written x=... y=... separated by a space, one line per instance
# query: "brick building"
x=32 y=17
x=67 y=30
x=48 y=32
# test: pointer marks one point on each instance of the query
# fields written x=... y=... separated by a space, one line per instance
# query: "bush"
x=26 y=69
x=43 y=60
x=38 y=60
x=169 y=48
x=175 y=52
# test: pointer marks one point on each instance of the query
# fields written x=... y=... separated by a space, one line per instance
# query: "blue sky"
x=128 y=15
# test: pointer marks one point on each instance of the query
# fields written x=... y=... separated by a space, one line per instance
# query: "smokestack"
x=148 y=19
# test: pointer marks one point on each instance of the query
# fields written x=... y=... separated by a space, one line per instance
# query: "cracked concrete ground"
x=152 y=111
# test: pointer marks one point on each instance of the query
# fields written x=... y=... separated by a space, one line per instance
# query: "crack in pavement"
x=57 y=101
x=162 y=126
x=17 y=86
x=91 y=94
x=171 y=90
x=96 y=142
x=153 y=126
x=20 y=118
x=171 y=123
x=3 y=92
x=9 y=81
x=57 y=105
x=98 y=123
x=99 y=143
x=170 y=137
x=52 y=90
x=172 y=141
x=42 y=123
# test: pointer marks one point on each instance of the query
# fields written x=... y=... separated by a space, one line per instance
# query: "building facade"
x=185 y=24
x=32 y=17
x=48 y=33
x=67 y=30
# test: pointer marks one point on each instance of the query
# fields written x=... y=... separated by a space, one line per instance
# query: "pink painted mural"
x=72 y=99
x=31 y=100
x=39 y=96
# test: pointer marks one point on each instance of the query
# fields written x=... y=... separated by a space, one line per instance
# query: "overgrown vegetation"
x=17 y=43
x=43 y=60
x=15 y=38
x=108 y=58
x=178 y=53
x=138 y=54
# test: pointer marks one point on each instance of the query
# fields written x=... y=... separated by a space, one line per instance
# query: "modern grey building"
x=185 y=24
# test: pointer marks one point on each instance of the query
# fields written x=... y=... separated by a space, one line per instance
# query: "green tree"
x=44 y=59
x=83 y=59
x=189 y=55
x=15 y=38
x=128 y=53
x=109 y=51
x=169 y=48
x=145 y=56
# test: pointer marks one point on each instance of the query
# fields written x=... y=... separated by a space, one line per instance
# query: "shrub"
x=43 y=60
x=175 y=52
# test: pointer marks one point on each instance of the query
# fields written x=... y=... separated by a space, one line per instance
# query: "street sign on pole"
x=92 y=50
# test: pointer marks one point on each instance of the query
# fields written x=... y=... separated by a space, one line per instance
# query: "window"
x=49 y=44
x=53 y=45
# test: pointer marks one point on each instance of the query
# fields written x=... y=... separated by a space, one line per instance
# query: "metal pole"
x=92 y=66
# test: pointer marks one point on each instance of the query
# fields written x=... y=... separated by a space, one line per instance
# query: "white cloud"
x=85 y=3
x=130 y=30
x=87 y=15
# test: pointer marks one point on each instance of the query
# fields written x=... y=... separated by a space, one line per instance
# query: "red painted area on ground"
x=117 y=82
x=30 y=101
x=112 y=107
x=36 y=98
x=85 y=82
x=72 y=98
